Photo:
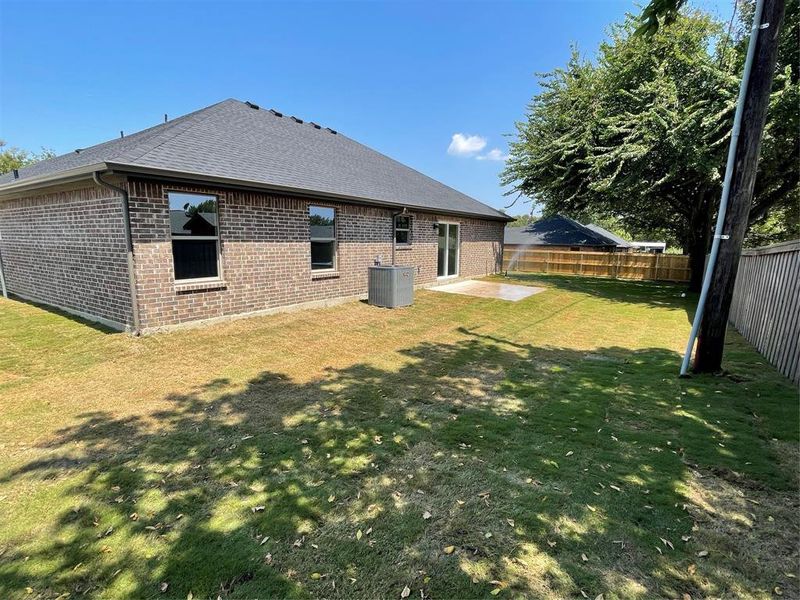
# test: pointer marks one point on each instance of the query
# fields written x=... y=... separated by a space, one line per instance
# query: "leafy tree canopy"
x=640 y=135
x=16 y=158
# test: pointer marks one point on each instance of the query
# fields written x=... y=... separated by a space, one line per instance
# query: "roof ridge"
x=405 y=166
x=190 y=120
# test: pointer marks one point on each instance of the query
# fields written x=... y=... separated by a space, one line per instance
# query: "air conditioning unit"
x=391 y=287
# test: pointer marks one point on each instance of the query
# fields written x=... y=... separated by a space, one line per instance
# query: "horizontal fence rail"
x=766 y=304
x=618 y=265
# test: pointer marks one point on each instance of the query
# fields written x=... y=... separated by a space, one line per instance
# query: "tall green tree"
x=640 y=135
x=15 y=158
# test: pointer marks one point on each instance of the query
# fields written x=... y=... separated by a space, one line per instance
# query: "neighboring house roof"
x=198 y=224
x=234 y=142
x=555 y=231
x=620 y=242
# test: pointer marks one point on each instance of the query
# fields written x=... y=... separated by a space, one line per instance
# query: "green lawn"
x=461 y=448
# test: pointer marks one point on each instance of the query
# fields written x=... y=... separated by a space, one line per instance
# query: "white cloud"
x=493 y=154
x=466 y=145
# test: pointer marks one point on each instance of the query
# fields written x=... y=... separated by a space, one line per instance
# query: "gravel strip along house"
x=226 y=211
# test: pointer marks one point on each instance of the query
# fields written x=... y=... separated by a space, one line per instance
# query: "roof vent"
x=296 y=120
x=16 y=173
x=333 y=131
x=275 y=112
x=121 y=134
x=314 y=125
x=78 y=150
x=251 y=105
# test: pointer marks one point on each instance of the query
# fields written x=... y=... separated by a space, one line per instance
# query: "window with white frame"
x=195 y=235
x=322 y=221
x=402 y=230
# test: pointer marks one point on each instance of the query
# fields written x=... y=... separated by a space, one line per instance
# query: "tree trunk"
x=708 y=358
x=697 y=246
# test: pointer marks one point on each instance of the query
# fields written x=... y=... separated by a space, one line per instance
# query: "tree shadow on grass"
x=544 y=470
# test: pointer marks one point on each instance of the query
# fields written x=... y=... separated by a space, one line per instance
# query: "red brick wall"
x=266 y=253
x=67 y=249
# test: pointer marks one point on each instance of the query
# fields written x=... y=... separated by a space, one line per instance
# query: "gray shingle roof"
x=620 y=242
x=556 y=231
x=232 y=141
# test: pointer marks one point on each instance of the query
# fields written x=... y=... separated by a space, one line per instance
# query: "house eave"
x=233 y=183
x=14 y=188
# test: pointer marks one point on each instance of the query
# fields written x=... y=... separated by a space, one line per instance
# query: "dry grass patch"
x=459 y=448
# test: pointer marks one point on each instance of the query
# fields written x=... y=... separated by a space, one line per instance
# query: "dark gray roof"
x=178 y=220
x=231 y=141
x=620 y=242
x=556 y=231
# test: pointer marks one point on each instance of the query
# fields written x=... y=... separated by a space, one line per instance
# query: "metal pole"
x=726 y=187
x=2 y=279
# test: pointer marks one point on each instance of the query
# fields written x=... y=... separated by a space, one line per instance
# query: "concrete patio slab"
x=489 y=289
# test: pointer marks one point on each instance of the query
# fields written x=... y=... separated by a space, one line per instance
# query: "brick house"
x=226 y=211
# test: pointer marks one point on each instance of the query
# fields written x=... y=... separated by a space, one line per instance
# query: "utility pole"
x=708 y=357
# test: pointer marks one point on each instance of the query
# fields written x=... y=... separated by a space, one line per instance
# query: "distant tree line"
x=15 y=158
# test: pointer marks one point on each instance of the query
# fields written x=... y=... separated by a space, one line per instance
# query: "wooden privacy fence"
x=619 y=265
x=766 y=303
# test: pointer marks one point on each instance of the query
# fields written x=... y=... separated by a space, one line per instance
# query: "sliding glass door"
x=448 y=250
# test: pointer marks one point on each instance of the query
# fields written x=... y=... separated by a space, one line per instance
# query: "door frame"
x=446 y=258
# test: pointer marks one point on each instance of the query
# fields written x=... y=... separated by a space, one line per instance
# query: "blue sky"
x=401 y=77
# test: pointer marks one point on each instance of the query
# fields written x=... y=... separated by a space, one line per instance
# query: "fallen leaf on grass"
x=316 y=576
x=331 y=498
x=495 y=591
x=584 y=558
x=406 y=592
x=449 y=549
x=591 y=508
x=702 y=553
x=570 y=453
x=426 y=515
x=692 y=569
x=510 y=522
x=359 y=533
x=487 y=535
x=164 y=586
x=259 y=508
